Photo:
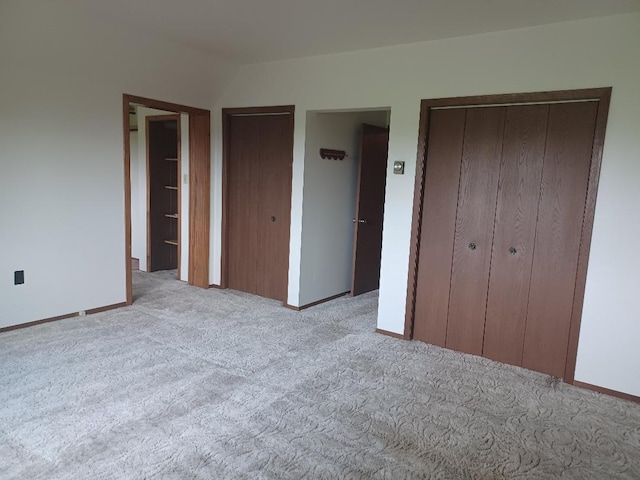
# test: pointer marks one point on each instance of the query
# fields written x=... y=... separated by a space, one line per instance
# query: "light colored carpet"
x=195 y=384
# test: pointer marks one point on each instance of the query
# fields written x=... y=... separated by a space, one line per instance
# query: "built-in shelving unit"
x=164 y=187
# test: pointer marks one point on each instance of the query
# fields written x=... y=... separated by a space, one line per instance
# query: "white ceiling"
x=260 y=30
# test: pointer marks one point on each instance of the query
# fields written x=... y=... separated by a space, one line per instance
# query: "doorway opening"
x=343 y=203
x=167 y=189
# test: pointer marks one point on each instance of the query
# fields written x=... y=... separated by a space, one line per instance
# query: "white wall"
x=138 y=202
x=61 y=149
x=581 y=54
x=184 y=200
x=329 y=201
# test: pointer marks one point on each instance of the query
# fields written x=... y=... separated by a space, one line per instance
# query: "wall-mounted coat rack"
x=332 y=154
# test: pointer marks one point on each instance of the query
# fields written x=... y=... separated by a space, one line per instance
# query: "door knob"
x=472 y=246
x=513 y=251
x=273 y=219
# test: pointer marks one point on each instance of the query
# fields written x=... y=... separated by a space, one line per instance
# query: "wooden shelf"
x=171 y=215
x=171 y=159
x=169 y=187
x=172 y=242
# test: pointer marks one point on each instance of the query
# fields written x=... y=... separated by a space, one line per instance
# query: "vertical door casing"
x=199 y=197
x=372 y=179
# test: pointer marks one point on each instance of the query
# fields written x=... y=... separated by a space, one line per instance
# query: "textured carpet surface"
x=188 y=383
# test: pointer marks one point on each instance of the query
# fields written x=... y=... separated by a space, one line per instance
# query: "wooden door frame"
x=602 y=96
x=226 y=115
x=199 y=187
x=159 y=118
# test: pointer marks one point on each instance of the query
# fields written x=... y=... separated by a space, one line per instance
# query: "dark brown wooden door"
x=503 y=209
x=372 y=178
x=260 y=149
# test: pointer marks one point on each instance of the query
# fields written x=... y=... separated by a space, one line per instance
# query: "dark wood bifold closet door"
x=502 y=217
x=438 y=225
x=259 y=195
x=565 y=176
x=474 y=228
x=514 y=232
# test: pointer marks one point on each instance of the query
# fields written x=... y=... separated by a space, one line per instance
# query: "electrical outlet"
x=18 y=277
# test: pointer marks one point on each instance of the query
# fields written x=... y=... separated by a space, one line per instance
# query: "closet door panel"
x=444 y=154
x=244 y=149
x=561 y=210
x=514 y=232
x=273 y=171
x=477 y=193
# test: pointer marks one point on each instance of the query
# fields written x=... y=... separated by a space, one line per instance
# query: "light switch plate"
x=398 y=167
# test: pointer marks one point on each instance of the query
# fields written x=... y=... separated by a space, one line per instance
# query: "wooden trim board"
x=317 y=302
x=63 y=317
x=199 y=198
x=607 y=391
x=399 y=336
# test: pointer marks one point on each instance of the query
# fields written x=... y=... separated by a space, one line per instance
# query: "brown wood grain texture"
x=274 y=156
x=372 y=179
x=565 y=179
x=602 y=97
x=515 y=227
x=258 y=167
x=199 y=197
x=439 y=208
x=477 y=195
x=243 y=198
